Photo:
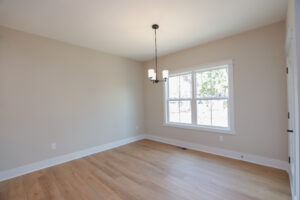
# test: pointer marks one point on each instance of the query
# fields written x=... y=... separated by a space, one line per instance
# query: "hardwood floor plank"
x=48 y=186
x=16 y=189
x=4 y=190
x=32 y=186
x=64 y=184
x=147 y=170
x=84 y=170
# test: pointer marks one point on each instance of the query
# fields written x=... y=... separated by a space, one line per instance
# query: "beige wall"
x=79 y=98
x=55 y=92
x=259 y=93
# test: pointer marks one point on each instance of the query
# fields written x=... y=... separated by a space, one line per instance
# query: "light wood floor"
x=153 y=171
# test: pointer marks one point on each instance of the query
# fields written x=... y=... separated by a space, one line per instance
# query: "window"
x=180 y=98
x=201 y=98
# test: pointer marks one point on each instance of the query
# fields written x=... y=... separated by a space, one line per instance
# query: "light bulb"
x=153 y=78
x=165 y=74
x=151 y=73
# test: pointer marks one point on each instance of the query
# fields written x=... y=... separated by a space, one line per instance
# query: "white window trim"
x=231 y=129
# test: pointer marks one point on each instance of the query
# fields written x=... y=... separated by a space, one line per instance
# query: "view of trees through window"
x=210 y=98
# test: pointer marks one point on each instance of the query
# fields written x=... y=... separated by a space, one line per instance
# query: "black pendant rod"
x=155 y=26
x=155 y=54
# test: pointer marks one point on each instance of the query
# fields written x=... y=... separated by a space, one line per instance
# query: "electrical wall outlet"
x=53 y=146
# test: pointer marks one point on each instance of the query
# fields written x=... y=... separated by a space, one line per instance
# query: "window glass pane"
x=185 y=112
x=204 y=112
x=174 y=111
x=219 y=79
x=203 y=84
x=186 y=86
x=210 y=88
x=174 y=87
x=220 y=113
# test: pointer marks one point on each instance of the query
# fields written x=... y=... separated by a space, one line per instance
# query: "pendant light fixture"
x=153 y=73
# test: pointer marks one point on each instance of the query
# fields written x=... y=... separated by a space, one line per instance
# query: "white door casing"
x=292 y=123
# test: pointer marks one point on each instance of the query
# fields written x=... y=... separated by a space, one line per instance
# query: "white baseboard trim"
x=279 y=164
x=11 y=173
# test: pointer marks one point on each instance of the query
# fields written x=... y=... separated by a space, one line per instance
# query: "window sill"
x=200 y=128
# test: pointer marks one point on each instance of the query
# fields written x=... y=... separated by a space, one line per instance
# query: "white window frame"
x=194 y=126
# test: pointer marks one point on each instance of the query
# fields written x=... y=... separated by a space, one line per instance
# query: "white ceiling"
x=123 y=27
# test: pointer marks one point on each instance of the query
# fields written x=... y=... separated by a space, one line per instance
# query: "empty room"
x=149 y=100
